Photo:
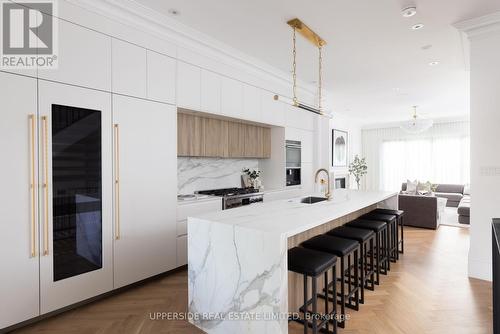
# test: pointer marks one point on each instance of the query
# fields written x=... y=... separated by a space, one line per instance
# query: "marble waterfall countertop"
x=289 y=217
x=237 y=259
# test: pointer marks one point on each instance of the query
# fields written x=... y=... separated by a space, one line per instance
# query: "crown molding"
x=143 y=18
x=480 y=25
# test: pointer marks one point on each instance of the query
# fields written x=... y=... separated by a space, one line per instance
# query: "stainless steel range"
x=235 y=197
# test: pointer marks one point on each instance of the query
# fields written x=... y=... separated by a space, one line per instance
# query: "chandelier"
x=416 y=124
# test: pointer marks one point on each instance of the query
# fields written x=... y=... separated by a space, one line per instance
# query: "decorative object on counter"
x=251 y=178
x=358 y=169
x=339 y=148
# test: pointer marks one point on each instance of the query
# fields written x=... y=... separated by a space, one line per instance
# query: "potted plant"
x=252 y=175
x=358 y=168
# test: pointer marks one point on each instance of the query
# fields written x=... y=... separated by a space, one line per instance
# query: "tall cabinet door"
x=145 y=189
x=18 y=211
x=76 y=194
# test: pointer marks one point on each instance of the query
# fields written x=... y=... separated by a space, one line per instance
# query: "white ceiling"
x=374 y=64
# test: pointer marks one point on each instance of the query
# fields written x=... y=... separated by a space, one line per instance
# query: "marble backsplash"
x=210 y=173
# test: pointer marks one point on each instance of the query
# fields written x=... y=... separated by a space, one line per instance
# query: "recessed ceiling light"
x=409 y=11
x=426 y=47
x=433 y=63
x=173 y=11
x=417 y=26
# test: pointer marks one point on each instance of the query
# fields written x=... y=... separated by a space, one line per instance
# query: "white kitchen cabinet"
x=146 y=193
x=186 y=209
x=161 y=77
x=252 y=103
x=273 y=112
x=194 y=208
x=188 y=86
x=129 y=69
x=299 y=118
x=76 y=197
x=19 y=289
x=84 y=57
x=307 y=178
x=182 y=250
x=210 y=92
x=231 y=98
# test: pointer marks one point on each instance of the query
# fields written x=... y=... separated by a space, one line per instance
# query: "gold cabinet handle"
x=116 y=129
x=45 y=186
x=32 y=186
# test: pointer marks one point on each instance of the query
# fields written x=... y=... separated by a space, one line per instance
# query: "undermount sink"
x=312 y=200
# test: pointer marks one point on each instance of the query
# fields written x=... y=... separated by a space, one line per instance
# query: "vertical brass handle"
x=117 y=180
x=45 y=186
x=32 y=186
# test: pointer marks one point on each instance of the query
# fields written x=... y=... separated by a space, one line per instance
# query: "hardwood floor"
x=427 y=291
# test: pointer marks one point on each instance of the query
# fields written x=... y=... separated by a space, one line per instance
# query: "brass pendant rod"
x=305 y=31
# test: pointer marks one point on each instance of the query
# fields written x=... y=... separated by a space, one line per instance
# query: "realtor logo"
x=28 y=37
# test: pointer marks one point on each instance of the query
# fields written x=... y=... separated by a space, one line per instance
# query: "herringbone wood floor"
x=427 y=291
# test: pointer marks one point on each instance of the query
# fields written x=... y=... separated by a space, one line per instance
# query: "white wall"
x=353 y=127
x=484 y=37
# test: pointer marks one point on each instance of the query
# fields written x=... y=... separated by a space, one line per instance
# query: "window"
x=438 y=160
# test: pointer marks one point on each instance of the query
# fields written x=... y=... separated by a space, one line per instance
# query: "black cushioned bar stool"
x=400 y=218
x=392 y=233
x=379 y=228
x=366 y=239
x=344 y=249
x=314 y=264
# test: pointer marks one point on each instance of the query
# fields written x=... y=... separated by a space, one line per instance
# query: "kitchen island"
x=237 y=259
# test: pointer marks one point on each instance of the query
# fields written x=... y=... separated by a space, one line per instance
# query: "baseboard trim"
x=480 y=269
x=90 y=300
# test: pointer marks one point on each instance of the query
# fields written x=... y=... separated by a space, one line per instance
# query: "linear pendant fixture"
x=307 y=32
x=298 y=26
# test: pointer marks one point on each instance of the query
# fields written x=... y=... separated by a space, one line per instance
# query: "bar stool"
x=400 y=218
x=392 y=233
x=379 y=228
x=365 y=238
x=312 y=263
x=344 y=249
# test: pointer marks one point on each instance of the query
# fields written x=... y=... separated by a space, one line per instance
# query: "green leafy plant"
x=358 y=169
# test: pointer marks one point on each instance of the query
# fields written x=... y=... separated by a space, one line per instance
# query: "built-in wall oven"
x=293 y=162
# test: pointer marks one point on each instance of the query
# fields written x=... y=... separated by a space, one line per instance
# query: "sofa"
x=452 y=192
x=420 y=211
x=464 y=208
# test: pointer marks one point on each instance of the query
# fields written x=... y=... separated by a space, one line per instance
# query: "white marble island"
x=237 y=259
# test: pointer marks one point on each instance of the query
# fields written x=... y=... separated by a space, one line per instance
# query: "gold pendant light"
x=298 y=26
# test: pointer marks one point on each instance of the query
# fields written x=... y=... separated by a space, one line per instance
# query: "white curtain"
x=440 y=155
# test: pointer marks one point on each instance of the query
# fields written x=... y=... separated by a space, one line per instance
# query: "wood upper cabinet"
x=236 y=140
x=190 y=136
x=257 y=141
x=212 y=137
x=215 y=137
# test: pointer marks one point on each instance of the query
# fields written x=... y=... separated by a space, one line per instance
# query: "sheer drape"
x=438 y=160
x=440 y=155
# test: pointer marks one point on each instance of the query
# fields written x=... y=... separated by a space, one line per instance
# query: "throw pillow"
x=411 y=187
x=424 y=187
x=467 y=189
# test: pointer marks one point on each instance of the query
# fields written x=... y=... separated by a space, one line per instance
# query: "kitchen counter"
x=237 y=258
